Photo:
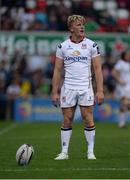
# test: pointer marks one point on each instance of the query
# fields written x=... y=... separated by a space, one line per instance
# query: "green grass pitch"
x=112 y=149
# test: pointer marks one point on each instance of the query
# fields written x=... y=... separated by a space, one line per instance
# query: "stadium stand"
x=30 y=75
x=41 y=15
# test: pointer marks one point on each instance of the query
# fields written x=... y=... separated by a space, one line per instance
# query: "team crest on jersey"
x=84 y=46
x=63 y=99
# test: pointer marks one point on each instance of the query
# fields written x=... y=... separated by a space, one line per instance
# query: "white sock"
x=65 y=139
x=122 y=119
x=90 y=136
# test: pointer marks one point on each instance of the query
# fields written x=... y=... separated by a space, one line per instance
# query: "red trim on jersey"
x=76 y=41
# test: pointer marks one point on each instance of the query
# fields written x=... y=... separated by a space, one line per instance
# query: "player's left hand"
x=55 y=99
x=99 y=97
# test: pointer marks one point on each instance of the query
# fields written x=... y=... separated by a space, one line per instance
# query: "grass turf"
x=112 y=149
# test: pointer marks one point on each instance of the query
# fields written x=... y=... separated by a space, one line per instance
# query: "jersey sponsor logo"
x=69 y=47
x=75 y=56
x=59 y=46
x=84 y=46
x=95 y=44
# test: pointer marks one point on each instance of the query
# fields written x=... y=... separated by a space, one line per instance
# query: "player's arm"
x=96 y=62
x=56 y=80
x=116 y=75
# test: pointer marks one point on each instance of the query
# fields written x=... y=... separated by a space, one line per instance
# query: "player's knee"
x=88 y=121
x=128 y=107
x=67 y=123
x=88 y=116
x=123 y=108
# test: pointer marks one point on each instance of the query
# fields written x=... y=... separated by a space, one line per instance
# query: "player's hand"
x=122 y=83
x=99 y=97
x=55 y=99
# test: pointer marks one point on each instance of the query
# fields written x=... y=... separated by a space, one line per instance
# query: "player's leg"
x=68 y=105
x=122 y=113
x=89 y=129
x=66 y=131
x=86 y=101
x=128 y=107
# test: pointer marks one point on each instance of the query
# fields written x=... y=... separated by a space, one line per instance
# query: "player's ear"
x=71 y=30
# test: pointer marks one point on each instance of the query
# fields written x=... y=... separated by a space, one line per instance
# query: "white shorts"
x=122 y=92
x=70 y=98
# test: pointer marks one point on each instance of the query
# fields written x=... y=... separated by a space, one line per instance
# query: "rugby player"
x=75 y=56
x=121 y=73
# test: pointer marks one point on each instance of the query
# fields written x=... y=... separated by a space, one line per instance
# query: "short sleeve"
x=95 y=50
x=59 y=52
x=118 y=66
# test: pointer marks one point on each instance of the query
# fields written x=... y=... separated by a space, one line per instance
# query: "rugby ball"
x=24 y=154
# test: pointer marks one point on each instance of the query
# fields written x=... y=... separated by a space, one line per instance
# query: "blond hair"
x=74 y=18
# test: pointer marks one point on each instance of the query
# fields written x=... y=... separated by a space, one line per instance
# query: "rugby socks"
x=90 y=136
x=122 y=119
x=65 y=139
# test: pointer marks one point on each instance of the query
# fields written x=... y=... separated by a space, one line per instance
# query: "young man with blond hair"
x=75 y=56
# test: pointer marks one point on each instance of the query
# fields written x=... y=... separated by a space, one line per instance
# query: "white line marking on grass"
x=6 y=129
x=65 y=169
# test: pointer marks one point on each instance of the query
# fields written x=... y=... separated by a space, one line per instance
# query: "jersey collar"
x=76 y=41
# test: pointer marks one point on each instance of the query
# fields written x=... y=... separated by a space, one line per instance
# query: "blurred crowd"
x=51 y=15
x=29 y=76
x=23 y=75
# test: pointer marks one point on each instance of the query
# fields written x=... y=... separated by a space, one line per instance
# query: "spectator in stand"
x=107 y=21
x=26 y=19
x=19 y=62
x=13 y=92
x=37 y=14
x=123 y=4
x=41 y=16
x=63 y=12
x=91 y=25
x=53 y=22
x=86 y=8
x=26 y=89
x=6 y=22
x=3 y=72
x=36 y=62
x=37 y=81
x=4 y=56
x=3 y=100
x=50 y=66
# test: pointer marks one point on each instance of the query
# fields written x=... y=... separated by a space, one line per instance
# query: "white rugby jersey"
x=123 y=68
x=77 y=59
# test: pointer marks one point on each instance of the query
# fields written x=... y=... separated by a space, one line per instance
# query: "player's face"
x=127 y=57
x=77 y=28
